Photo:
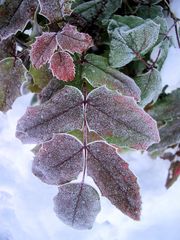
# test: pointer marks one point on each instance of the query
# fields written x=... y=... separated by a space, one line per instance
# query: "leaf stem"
x=85 y=131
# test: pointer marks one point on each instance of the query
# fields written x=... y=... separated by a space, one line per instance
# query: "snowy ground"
x=26 y=203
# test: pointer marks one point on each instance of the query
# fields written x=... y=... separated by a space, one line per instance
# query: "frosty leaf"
x=77 y=205
x=14 y=15
x=98 y=72
x=150 y=11
x=126 y=44
x=167 y=108
x=7 y=48
x=12 y=74
x=97 y=10
x=151 y=86
x=169 y=135
x=62 y=113
x=163 y=27
x=62 y=66
x=164 y=47
x=43 y=48
x=119 y=119
x=174 y=172
x=41 y=76
x=114 y=179
x=91 y=136
x=59 y=160
x=69 y=39
x=55 y=10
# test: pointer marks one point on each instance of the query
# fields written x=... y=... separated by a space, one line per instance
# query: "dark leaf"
x=43 y=48
x=7 y=48
x=12 y=75
x=59 y=160
x=77 y=205
x=62 y=113
x=174 y=172
x=69 y=39
x=98 y=72
x=14 y=15
x=114 y=179
x=62 y=66
x=120 y=120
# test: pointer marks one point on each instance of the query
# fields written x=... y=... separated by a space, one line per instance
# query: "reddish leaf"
x=114 y=179
x=55 y=10
x=69 y=39
x=77 y=205
x=174 y=172
x=62 y=66
x=120 y=120
x=14 y=15
x=7 y=48
x=59 y=160
x=12 y=75
x=43 y=49
x=62 y=113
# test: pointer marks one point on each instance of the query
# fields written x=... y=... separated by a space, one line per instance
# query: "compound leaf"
x=69 y=39
x=98 y=72
x=151 y=86
x=14 y=15
x=12 y=74
x=59 y=160
x=43 y=48
x=55 y=10
x=120 y=120
x=127 y=44
x=62 y=113
x=106 y=166
x=77 y=205
x=62 y=66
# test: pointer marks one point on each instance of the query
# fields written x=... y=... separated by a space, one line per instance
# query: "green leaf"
x=151 y=86
x=12 y=74
x=163 y=27
x=98 y=72
x=127 y=44
x=163 y=47
x=150 y=11
x=97 y=9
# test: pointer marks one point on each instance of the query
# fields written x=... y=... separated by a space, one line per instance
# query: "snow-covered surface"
x=26 y=206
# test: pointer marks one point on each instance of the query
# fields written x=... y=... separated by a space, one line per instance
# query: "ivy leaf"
x=59 y=160
x=43 y=48
x=62 y=66
x=119 y=119
x=106 y=166
x=62 y=113
x=55 y=10
x=12 y=74
x=69 y=39
x=15 y=15
x=98 y=72
x=41 y=76
x=127 y=44
x=77 y=205
x=96 y=10
x=174 y=172
x=151 y=86
x=7 y=48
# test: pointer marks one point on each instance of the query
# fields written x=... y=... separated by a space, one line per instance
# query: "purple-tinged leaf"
x=114 y=179
x=7 y=48
x=59 y=160
x=120 y=120
x=77 y=205
x=69 y=39
x=98 y=72
x=62 y=66
x=55 y=10
x=62 y=113
x=14 y=16
x=43 y=48
x=12 y=74
x=174 y=172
